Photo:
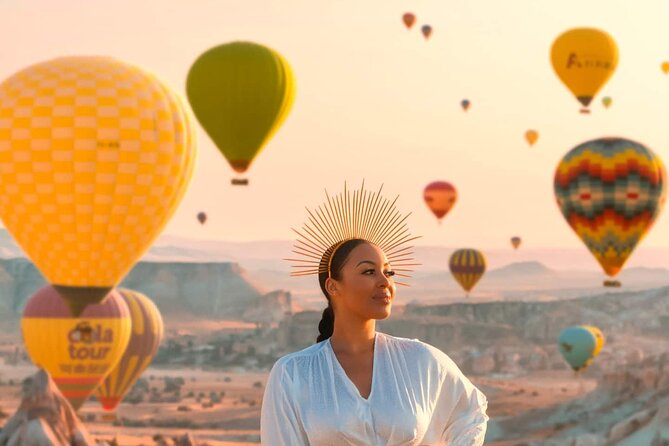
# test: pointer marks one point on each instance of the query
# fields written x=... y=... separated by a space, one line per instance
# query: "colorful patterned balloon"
x=440 y=197
x=467 y=267
x=145 y=338
x=610 y=191
x=77 y=351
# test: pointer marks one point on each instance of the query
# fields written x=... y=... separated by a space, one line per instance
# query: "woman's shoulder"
x=299 y=357
x=422 y=351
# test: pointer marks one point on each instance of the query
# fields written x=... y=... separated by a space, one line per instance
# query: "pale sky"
x=377 y=101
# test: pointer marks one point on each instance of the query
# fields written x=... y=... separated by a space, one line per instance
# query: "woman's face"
x=366 y=287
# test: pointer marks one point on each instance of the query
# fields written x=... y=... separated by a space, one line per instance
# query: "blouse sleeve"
x=279 y=421
x=459 y=417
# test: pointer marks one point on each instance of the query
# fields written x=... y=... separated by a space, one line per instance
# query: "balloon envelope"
x=96 y=155
x=77 y=351
x=610 y=191
x=577 y=345
x=427 y=31
x=440 y=197
x=467 y=267
x=665 y=67
x=584 y=59
x=409 y=19
x=531 y=136
x=515 y=242
x=145 y=338
x=241 y=93
x=599 y=339
x=607 y=101
x=465 y=104
x=202 y=217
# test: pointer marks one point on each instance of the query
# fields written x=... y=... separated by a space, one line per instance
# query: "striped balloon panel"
x=145 y=338
x=467 y=267
x=610 y=191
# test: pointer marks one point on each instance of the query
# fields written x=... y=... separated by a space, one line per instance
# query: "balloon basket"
x=585 y=111
x=108 y=417
x=240 y=181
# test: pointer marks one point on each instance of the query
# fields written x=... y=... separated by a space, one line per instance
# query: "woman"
x=357 y=386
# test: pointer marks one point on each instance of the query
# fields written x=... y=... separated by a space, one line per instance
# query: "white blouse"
x=419 y=397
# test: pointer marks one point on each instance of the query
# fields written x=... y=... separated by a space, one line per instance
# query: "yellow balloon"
x=600 y=339
x=76 y=351
x=584 y=60
x=95 y=156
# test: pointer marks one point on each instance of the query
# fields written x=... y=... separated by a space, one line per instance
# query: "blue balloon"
x=577 y=344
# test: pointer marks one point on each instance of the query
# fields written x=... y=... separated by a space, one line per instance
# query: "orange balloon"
x=409 y=19
x=440 y=196
x=531 y=136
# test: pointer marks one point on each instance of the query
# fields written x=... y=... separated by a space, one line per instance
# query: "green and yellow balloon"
x=241 y=92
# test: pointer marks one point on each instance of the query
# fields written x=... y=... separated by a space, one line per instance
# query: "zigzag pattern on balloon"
x=609 y=167
x=610 y=191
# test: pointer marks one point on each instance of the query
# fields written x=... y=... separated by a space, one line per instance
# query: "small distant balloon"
x=467 y=267
x=202 y=217
x=531 y=136
x=465 y=104
x=427 y=31
x=607 y=101
x=577 y=345
x=515 y=242
x=440 y=196
x=665 y=67
x=409 y=19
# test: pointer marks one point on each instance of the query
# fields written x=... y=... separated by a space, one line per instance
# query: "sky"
x=377 y=101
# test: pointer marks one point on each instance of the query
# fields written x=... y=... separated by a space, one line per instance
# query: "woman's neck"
x=349 y=338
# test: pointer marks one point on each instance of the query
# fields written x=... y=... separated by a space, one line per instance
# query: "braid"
x=326 y=325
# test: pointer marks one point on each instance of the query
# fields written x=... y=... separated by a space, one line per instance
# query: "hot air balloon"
x=96 y=155
x=515 y=242
x=201 y=217
x=610 y=191
x=607 y=101
x=241 y=93
x=77 y=351
x=584 y=60
x=599 y=339
x=427 y=31
x=577 y=345
x=145 y=338
x=665 y=67
x=467 y=267
x=440 y=196
x=531 y=136
x=465 y=104
x=409 y=19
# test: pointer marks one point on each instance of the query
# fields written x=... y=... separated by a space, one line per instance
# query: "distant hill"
x=182 y=291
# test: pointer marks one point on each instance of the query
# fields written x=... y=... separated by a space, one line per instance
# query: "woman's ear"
x=331 y=286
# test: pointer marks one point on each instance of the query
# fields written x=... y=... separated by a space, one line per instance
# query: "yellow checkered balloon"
x=95 y=156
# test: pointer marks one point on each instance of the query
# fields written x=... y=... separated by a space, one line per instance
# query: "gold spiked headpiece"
x=362 y=215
